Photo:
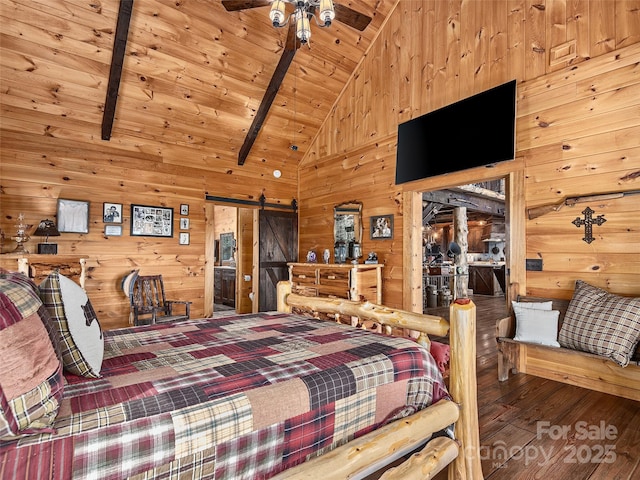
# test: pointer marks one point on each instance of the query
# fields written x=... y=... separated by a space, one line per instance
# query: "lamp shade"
x=303 y=28
x=47 y=228
x=327 y=13
x=277 y=14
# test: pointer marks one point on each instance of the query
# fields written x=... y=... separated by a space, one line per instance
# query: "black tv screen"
x=477 y=131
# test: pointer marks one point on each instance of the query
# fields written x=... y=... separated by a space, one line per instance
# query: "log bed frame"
x=373 y=451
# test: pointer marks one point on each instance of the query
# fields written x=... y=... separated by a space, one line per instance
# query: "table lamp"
x=47 y=229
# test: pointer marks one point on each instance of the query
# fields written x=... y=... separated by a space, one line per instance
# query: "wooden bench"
x=148 y=302
x=565 y=365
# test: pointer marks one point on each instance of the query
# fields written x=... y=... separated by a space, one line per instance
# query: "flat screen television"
x=473 y=132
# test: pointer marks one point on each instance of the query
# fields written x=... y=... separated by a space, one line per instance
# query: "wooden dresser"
x=38 y=267
x=355 y=282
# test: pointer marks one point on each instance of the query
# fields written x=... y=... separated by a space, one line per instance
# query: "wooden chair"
x=147 y=300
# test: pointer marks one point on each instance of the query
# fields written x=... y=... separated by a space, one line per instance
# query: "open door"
x=278 y=245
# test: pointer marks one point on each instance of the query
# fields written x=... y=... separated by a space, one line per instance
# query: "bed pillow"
x=43 y=313
x=602 y=323
x=536 y=325
x=31 y=381
x=80 y=333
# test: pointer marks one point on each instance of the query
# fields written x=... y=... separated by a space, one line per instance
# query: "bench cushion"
x=602 y=323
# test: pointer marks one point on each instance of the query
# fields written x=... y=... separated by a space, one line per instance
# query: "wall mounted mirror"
x=227 y=249
x=347 y=222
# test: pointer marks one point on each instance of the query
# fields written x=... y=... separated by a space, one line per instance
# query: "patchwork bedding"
x=238 y=397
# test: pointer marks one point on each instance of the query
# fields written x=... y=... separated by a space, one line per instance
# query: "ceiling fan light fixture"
x=277 y=14
x=302 y=13
x=303 y=27
x=327 y=13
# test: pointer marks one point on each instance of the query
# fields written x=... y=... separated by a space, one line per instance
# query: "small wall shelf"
x=37 y=267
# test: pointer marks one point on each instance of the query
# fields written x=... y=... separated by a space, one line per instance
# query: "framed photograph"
x=184 y=224
x=184 y=238
x=112 y=212
x=73 y=216
x=184 y=209
x=148 y=221
x=113 y=230
x=381 y=227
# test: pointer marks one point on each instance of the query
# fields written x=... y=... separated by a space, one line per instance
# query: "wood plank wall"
x=54 y=61
x=578 y=128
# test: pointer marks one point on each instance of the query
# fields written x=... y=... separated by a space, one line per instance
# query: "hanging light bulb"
x=327 y=13
x=303 y=28
x=277 y=14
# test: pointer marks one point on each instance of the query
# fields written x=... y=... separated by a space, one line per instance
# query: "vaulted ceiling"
x=195 y=74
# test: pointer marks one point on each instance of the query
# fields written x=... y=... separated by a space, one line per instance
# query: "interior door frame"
x=515 y=257
x=242 y=249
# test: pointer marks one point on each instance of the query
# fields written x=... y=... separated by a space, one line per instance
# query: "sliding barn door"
x=278 y=245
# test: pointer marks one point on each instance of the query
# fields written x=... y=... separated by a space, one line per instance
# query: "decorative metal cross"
x=588 y=223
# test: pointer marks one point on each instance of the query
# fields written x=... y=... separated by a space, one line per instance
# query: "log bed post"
x=462 y=386
x=464 y=389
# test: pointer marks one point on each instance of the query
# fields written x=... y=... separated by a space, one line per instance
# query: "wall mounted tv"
x=474 y=132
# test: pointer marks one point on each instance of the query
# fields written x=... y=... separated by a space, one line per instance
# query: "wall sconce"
x=47 y=229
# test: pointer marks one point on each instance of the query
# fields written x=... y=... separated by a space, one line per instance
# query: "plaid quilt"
x=239 y=397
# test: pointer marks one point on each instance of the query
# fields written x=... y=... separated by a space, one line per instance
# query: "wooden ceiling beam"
x=115 y=71
x=449 y=199
x=270 y=95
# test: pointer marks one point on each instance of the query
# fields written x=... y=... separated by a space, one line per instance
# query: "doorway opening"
x=464 y=242
x=247 y=250
x=225 y=232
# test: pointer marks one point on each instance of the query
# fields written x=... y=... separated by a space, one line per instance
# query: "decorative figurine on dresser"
x=372 y=258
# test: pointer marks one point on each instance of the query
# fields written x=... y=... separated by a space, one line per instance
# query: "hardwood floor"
x=532 y=428
x=536 y=428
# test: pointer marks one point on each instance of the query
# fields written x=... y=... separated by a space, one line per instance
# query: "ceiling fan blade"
x=233 y=5
x=350 y=17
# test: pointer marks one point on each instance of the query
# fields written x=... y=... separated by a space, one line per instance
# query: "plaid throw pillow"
x=82 y=343
x=602 y=323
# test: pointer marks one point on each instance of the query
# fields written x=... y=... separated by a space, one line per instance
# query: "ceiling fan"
x=295 y=37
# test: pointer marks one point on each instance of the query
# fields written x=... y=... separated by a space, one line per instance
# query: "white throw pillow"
x=537 y=326
x=535 y=305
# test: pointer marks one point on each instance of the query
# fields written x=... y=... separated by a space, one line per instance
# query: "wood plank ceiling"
x=194 y=74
